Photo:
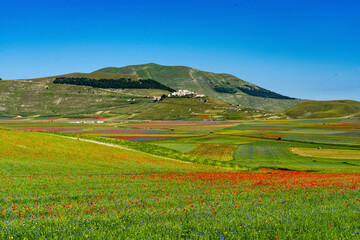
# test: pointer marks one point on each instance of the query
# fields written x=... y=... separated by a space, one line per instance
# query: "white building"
x=183 y=93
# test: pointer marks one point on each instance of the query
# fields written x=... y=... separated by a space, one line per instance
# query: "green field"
x=257 y=143
x=328 y=153
x=221 y=152
x=262 y=152
x=182 y=147
x=56 y=187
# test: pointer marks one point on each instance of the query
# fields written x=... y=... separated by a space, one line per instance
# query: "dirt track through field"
x=122 y=147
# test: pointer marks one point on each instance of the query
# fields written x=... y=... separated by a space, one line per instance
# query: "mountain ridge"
x=223 y=86
x=43 y=97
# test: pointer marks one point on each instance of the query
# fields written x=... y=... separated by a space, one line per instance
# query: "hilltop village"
x=181 y=93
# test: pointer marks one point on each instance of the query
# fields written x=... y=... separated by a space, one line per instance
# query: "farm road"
x=122 y=147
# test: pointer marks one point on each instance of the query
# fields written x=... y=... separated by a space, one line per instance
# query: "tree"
x=0 y=78
x=163 y=97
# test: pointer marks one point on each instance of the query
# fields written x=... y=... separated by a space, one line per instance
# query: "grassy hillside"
x=42 y=98
x=196 y=109
x=325 y=109
x=224 y=87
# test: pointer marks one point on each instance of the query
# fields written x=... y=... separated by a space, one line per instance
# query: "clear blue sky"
x=300 y=48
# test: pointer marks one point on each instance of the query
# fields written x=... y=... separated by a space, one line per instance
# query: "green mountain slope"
x=198 y=109
x=325 y=109
x=42 y=98
x=224 y=87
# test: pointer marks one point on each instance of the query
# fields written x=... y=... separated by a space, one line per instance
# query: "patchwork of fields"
x=55 y=187
x=141 y=131
x=245 y=144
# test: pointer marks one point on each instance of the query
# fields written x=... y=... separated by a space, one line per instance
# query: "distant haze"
x=303 y=49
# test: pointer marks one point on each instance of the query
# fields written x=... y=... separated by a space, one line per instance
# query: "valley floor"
x=55 y=187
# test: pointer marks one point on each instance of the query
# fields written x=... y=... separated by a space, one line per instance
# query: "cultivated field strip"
x=262 y=152
x=328 y=153
x=222 y=152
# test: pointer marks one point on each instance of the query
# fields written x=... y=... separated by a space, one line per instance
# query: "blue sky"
x=300 y=48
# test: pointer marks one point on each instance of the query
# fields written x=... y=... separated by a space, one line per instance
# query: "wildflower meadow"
x=56 y=187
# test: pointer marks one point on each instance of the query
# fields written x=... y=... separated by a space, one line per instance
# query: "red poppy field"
x=54 y=187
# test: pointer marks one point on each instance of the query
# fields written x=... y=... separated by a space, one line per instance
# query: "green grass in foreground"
x=58 y=188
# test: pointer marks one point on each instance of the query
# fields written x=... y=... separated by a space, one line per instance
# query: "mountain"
x=221 y=86
x=42 y=98
x=325 y=109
